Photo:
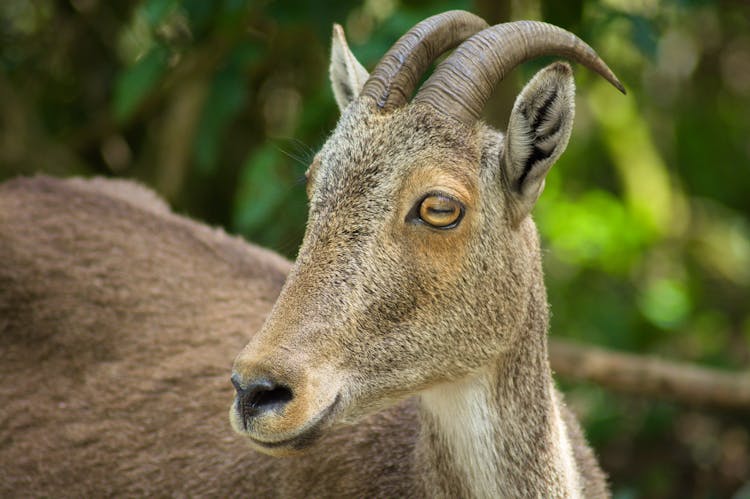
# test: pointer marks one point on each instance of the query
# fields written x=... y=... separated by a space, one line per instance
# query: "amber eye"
x=440 y=211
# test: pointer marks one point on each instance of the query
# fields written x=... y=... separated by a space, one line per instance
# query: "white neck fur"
x=486 y=438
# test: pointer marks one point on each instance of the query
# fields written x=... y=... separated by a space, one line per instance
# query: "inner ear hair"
x=544 y=125
x=538 y=132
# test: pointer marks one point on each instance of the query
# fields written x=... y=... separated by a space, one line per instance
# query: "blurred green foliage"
x=646 y=218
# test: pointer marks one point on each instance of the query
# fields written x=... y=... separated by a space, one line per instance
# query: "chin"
x=286 y=445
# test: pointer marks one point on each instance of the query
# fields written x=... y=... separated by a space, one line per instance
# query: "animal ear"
x=538 y=132
x=348 y=76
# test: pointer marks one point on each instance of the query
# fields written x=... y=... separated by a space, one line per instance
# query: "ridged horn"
x=462 y=83
x=394 y=79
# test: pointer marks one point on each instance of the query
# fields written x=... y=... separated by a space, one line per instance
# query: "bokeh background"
x=219 y=105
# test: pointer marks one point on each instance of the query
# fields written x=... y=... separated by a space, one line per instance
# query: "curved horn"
x=396 y=76
x=461 y=85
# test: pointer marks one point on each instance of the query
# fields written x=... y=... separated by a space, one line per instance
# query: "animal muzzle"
x=282 y=408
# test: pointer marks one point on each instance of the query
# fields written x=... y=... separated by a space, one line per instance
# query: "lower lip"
x=305 y=438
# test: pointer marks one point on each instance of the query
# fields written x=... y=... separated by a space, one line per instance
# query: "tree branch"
x=651 y=376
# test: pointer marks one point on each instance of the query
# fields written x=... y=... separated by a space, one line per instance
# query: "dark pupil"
x=440 y=211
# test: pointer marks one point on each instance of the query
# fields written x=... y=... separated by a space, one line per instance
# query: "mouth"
x=305 y=438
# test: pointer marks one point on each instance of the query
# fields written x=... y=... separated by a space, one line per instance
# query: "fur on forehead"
x=373 y=149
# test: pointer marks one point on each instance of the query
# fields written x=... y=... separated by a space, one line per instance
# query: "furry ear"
x=538 y=132
x=348 y=76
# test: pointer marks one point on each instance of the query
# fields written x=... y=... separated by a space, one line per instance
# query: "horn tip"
x=618 y=85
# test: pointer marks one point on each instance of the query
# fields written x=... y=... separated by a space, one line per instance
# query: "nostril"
x=269 y=397
x=260 y=396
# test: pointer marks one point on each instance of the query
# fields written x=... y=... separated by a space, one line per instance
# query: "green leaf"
x=260 y=192
x=225 y=100
x=666 y=303
x=136 y=82
x=154 y=11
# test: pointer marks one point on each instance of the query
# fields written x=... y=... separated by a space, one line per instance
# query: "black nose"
x=259 y=396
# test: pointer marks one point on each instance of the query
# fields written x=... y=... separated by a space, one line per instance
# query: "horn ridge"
x=462 y=83
x=394 y=79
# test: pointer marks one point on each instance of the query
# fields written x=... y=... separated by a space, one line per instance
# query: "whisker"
x=302 y=153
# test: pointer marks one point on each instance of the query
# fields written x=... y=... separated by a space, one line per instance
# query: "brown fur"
x=114 y=347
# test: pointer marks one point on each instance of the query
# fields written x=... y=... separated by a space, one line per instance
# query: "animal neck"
x=498 y=432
